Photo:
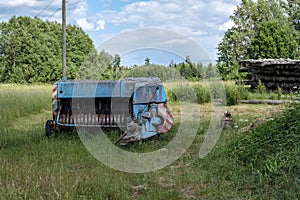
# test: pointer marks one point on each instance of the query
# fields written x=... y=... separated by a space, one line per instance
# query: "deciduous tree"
x=251 y=36
x=30 y=50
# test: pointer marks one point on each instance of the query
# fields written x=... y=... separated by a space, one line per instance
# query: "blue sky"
x=202 y=21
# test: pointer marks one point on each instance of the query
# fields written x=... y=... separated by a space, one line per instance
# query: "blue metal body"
x=89 y=89
x=119 y=103
x=135 y=105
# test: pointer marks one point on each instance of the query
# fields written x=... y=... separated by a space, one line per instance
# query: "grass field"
x=35 y=167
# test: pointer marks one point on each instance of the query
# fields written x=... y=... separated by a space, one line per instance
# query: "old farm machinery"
x=135 y=105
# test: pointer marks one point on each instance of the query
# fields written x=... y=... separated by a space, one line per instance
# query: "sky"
x=203 y=22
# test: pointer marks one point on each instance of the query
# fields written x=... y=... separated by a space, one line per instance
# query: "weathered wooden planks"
x=273 y=73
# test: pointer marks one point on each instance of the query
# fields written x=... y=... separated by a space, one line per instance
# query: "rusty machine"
x=135 y=105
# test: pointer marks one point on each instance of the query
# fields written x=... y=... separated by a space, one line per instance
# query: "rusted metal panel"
x=146 y=94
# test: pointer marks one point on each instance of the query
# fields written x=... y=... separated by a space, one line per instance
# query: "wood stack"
x=273 y=73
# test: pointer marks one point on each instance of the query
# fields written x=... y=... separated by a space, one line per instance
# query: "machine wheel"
x=49 y=128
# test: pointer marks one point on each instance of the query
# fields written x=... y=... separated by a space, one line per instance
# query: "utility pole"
x=64 y=47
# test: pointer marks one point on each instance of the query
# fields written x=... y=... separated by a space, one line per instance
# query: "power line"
x=73 y=4
x=44 y=8
x=58 y=9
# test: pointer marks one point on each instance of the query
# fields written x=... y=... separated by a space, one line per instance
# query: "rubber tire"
x=49 y=128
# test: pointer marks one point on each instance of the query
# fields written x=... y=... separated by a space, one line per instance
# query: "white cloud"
x=227 y=25
x=83 y=23
x=81 y=9
x=90 y=26
x=202 y=20
x=88 y=23
x=100 y=24
x=27 y=7
x=195 y=15
x=29 y=3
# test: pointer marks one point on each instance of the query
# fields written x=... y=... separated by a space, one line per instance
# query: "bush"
x=170 y=95
x=261 y=88
x=192 y=92
x=184 y=92
x=216 y=89
x=235 y=93
x=229 y=93
x=181 y=92
x=202 y=93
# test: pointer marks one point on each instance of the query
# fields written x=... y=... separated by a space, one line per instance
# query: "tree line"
x=30 y=48
x=103 y=66
x=30 y=51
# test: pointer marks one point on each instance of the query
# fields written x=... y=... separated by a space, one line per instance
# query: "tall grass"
x=204 y=92
x=35 y=167
x=270 y=155
x=22 y=100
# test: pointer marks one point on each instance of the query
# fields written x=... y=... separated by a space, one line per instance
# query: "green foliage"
x=211 y=71
x=188 y=91
x=202 y=93
x=279 y=92
x=230 y=52
x=175 y=71
x=271 y=153
x=97 y=66
x=216 y=89
x=262 y=29
x=152 y=70
x=275 y=95
x=274 y=40
x=262 y=164
x=205 y=91
x=147 y=61
x=261 y=88
x=195 y=71
x=30 y=50
x=235 y=93
x=117 y=70
x=292 y=9
x=181 y=91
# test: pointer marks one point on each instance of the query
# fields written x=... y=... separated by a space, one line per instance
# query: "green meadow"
x=260 y=164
